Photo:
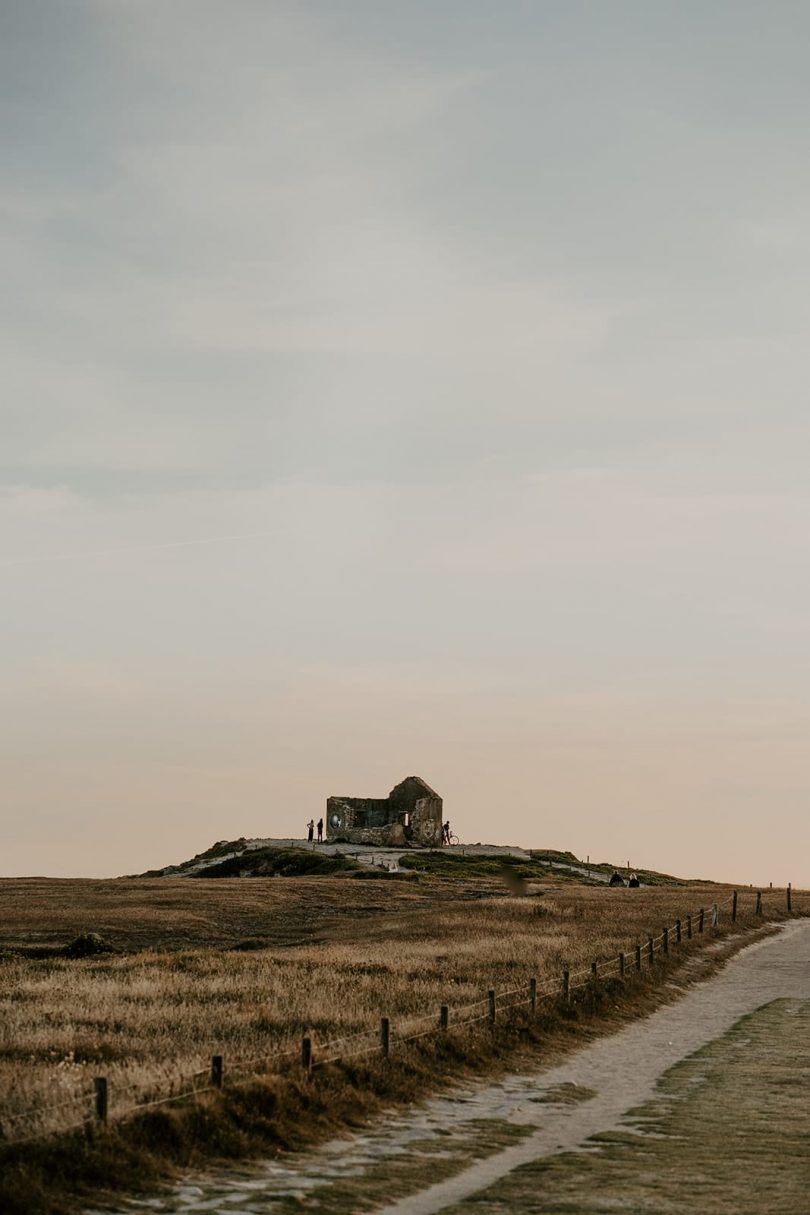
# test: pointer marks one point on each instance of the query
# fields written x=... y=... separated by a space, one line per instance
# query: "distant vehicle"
x=453 y=838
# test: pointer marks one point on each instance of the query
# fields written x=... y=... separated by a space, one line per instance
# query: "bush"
x=281 y=862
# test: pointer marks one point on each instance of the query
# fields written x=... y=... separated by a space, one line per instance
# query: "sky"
x=401 y=389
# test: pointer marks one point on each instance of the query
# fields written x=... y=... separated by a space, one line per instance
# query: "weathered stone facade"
x=411 y=816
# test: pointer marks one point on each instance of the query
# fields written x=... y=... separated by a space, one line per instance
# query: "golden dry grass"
x=173 y=913
x=147 y=1018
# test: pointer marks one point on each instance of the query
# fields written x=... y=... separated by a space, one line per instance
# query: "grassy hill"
x=269 y=858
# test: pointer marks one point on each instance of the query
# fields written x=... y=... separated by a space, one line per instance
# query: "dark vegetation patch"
x=279 y=862
x=455 y=865
x=250 y=944
x=85 y=945
x=88 y=945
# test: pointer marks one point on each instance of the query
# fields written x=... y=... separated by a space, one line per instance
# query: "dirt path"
x=486 y=1144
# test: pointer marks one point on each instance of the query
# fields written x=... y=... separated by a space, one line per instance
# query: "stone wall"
x=426 y=822
x=410 y=815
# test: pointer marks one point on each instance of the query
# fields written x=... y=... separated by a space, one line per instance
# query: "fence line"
x=529 y=993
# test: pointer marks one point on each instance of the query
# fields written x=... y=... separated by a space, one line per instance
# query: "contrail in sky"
x=129 y=548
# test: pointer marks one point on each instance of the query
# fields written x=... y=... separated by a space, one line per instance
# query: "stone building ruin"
x=411 y=816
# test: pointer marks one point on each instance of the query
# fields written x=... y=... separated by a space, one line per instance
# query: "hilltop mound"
x=293 y=858
x=256 y=858
x=222 y=850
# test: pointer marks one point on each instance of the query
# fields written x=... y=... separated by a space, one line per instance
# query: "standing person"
x=310 y=830
x=320 y=830
x=446 y=832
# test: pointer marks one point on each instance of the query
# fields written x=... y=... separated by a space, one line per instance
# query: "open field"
x=181 y=913
x=327 y=956
x=45 y=914
x=324 y=956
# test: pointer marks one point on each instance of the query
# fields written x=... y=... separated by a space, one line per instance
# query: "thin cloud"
x=93 y=554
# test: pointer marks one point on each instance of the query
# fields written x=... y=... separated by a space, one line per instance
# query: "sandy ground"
x=477 y=1138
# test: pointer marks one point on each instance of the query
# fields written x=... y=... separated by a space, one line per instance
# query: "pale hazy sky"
x=400 y=388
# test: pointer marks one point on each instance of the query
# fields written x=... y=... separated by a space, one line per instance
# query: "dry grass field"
x=178 y=913
x=244 y=967
x=319 y=955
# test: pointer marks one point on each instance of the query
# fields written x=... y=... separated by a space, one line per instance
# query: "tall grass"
x=148 y=1019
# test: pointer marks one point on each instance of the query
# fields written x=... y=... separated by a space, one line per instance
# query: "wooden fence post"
x=700 y=920
x=306 y=1055
x=566 y=985
x=734 y=908
x=216 y=1071
x=689 y=928
x=638 y=957
x=102 y=1098
x=491 y=1001
x=532 y=996
x=444 y=1017
x=759 y=903
x=621 y=965
x=385 y=1036
x=788 y=898
x=678 y=932
x=650 y=950
x=665 y=940
x=594 y=971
